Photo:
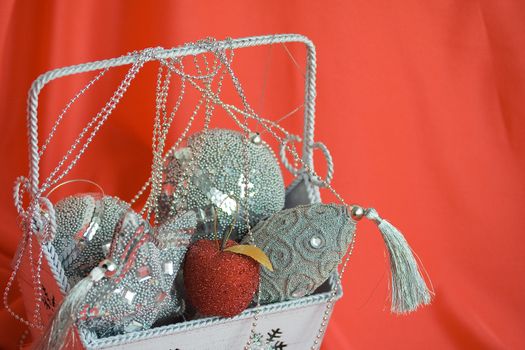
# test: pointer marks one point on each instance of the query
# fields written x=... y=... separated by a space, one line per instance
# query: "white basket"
x=297 y=321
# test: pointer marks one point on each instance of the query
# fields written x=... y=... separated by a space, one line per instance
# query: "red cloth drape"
x=420 y=102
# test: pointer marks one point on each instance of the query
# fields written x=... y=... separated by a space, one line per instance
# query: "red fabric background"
x=420 y=102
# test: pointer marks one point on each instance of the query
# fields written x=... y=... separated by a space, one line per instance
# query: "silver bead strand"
x=310 y=171
x=35 y=207
x=22 y=339
x=16 y=267
x=190 y=168
x=160 y=113
x=326 y=184
x=189 y=124
x=99 y=120
x=67 y=107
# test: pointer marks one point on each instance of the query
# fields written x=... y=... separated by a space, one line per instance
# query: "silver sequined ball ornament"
x=85 y=226
x=223 y=171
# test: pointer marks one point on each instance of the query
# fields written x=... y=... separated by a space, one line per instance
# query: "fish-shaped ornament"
x=133 y=287
x=305 y=244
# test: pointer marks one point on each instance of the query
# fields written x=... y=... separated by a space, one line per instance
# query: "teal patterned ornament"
x=85 y=226
x=223 y=171
x=305 y=244
x=140 y=289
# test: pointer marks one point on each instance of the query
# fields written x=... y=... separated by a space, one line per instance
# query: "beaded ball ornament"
x=85 y=226
x=213 y=167
x=140 y=291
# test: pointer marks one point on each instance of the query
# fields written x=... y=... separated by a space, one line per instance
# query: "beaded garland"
x=219 y=159
x=305 y=244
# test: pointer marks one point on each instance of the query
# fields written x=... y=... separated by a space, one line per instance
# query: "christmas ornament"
x=132 y=288
x=132 y=299
x=85 y=226
x=219 y=282
x=224 y=169
x=305 y=244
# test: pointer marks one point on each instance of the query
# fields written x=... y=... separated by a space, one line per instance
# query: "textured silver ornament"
x=140 y=292
x=223 y=169
x=305 y=244
x=85 y=226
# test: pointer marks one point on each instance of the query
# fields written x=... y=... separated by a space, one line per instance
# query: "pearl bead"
x=109 y=266
x=315 y=242
x=357 y=212
x=256 y=138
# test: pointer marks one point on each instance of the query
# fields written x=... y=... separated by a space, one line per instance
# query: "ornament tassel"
x=409 y=290
x=61 y=325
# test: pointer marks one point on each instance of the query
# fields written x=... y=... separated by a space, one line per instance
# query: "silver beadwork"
x=305 y=244
x=218 y=179
x=79 y=252
x=140 y=292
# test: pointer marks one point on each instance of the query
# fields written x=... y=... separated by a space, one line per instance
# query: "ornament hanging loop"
x=74 y=181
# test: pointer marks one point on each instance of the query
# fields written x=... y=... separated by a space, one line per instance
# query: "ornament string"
x=94 y=125
x=155 y=181
x=66 y=109
x=68 y=182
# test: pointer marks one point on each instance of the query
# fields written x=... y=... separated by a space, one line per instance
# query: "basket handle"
x=185 y=50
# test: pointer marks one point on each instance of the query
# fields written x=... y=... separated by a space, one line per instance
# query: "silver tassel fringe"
x=409 y=290
x=57 y=333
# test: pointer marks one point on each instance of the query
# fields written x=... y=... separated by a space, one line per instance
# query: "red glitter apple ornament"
x=221 y=280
